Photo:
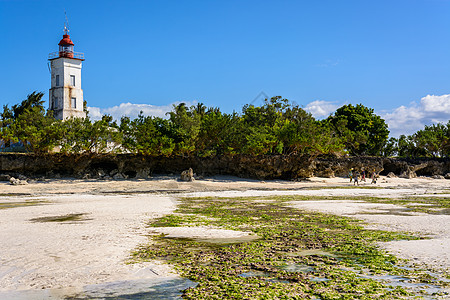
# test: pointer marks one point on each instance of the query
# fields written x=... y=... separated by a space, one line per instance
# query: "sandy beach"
x=88 y=252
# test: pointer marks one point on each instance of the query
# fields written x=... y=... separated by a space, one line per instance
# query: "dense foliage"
x=432 y=141
x=276 y=127
x=364 y=132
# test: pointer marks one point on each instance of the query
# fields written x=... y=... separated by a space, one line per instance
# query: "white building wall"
x=60 y=96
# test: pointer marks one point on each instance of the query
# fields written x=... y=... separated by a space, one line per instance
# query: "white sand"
x=72 y=255
x=40 y=255
x=170 y=184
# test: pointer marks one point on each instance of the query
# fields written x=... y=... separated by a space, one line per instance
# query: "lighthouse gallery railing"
x=77 y=55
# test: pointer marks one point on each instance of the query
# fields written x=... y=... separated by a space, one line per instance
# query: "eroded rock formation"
x=261 y=167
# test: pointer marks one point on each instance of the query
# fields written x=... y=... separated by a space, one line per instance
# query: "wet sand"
x=106 y=220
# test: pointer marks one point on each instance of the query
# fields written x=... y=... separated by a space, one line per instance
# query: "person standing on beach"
x=363 y=175
x=356 y=178
x=350 y=174
x=374 y=177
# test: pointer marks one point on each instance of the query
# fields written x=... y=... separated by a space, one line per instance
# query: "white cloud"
x=321 y=109
x=431 y=109
x=407 y=120
x=94 y=113
x=132 y=110
x=437 y=107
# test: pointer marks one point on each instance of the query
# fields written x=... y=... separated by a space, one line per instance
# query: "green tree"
x=446 y=144
x=262 y=125
x=7 y=118
x=147 y=135
x=362 y=131
x=215 y=134
x=186 y=125
x=6 y=115
x=29 y=124
x=80 y=135
x=433 y=139
x=35 y=130
x=9 y=115
x=33 y=100
x=300 y=133
x=390 y=148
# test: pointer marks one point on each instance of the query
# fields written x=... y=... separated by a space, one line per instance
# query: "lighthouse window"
x=66 y=48
x=57 y=80
x=74 y=102
x=72 y=80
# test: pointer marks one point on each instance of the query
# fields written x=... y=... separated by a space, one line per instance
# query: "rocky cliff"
x=261 y=167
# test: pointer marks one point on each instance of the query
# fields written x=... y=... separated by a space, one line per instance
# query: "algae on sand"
x=14 y=204
x=328 y=243
x=63 y=218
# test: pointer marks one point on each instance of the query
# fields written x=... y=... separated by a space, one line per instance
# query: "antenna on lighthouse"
x=66 y=24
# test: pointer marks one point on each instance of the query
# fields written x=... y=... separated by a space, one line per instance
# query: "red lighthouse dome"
x=66 y=46
x=66 y=41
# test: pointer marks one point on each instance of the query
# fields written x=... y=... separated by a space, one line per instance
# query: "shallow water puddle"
x=401 y=281
x=439 y=211
x=130 y=289
x=309 y=252
x=218 y=241
x=136 y=289
x=224 y=241
x=390 y=211
x=297 y=268
x=254 y=273
x=319 y=279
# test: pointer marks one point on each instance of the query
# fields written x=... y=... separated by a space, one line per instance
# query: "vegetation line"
x=276 y=127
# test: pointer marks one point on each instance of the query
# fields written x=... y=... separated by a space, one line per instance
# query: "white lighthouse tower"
x=66 y=95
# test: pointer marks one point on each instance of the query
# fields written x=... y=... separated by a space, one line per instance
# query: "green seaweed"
x=341 y=253
x=63 y=218
x=6 y=205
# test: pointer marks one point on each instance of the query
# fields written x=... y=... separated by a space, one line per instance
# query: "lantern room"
x=66 y=46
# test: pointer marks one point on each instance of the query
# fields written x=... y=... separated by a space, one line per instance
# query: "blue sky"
x=392 y=56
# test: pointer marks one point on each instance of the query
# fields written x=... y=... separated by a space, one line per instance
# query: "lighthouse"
x=66 y=95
